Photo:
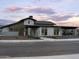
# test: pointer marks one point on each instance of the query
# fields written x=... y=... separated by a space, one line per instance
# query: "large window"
x=44 y=31
x=68 y=32
x=56 y=31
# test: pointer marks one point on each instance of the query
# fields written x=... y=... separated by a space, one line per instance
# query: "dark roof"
x=65 y=26
x=8 y=25
x=44 y=23
x=39 y=23
x=30 y=17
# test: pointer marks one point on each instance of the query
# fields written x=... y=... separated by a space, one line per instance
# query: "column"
x=60 y=32
x=24 y=31
x=75 y=32
x=29 y=31
x=39 y=32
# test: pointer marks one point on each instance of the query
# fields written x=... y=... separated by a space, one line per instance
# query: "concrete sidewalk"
x=73 y=56
x=44 y=39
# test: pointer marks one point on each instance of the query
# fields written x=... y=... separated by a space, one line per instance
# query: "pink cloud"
x=13 y=9
x=30 y=9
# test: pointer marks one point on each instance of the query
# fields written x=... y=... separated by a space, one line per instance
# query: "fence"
x=9 y=33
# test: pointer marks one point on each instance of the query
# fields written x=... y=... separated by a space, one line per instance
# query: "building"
x=33 y=28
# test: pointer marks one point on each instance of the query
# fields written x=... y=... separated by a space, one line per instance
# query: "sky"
x=62 y=11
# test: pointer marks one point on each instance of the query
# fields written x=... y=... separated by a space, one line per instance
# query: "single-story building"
x=33 y=28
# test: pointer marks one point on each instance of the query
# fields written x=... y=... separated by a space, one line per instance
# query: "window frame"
x=56 y=31
x=44 y=31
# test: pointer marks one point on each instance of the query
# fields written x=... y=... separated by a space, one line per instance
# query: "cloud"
x=65 y=20
x=14 y=17
x=41 y=17
x=56 y=0
x=53 y=17
x=60 y=18
x=74 y=21
x=12 y=9
x=69 y=1
x=30 y=9
x=42 y=10
x=40 y=13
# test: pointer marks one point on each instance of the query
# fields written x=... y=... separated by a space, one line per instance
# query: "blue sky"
x=55 y=10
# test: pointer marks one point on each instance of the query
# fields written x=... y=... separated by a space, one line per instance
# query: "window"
x=28 y=21
x=44 y=31
x=68 y=32
x=56 y=31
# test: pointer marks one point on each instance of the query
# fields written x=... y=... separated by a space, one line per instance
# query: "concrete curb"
x=72 y=56
x=18 y=41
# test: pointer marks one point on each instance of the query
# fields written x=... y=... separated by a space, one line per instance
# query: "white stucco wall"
x=60 y=32
x=76 y=33
x=26 y=22
x=5 y=29
x=50 y=31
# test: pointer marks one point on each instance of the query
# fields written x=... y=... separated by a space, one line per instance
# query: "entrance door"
x=32 y=32
x=26 y=31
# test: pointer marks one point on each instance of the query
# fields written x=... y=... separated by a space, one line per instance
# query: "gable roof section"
x=30 y=17
x=37 y=23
